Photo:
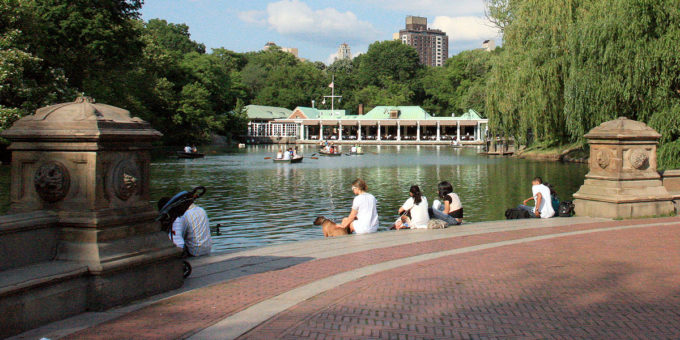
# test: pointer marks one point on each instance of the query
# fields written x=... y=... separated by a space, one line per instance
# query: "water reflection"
x=260 y=202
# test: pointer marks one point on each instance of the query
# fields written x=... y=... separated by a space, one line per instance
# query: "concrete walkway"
x=561 y=277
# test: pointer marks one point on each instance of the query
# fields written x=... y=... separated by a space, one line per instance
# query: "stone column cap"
x=81 y=120
x=623 y=129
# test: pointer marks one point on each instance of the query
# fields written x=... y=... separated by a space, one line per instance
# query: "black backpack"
x=516 y=213
x=566 y=209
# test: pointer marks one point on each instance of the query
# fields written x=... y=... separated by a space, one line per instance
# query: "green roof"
x=267 y=112
x=405 y=112
x=313 y=113
x=470 y=115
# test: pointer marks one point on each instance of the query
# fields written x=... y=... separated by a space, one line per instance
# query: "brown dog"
x=329 y=228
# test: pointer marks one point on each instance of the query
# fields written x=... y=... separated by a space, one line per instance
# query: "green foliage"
x=566 y=67
x=51 y=50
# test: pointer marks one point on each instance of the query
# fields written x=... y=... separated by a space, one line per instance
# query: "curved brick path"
x=185 y=314
x=608 y=285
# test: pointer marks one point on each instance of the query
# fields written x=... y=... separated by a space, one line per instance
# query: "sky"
x=318 y=27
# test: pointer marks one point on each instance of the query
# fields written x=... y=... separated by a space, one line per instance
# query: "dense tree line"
x=564 y=68
x=54 y=50
x=567 y=66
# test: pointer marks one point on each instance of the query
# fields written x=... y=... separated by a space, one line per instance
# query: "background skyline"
x=318 y=27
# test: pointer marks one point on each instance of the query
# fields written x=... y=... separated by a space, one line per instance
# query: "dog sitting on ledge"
x=329 y=228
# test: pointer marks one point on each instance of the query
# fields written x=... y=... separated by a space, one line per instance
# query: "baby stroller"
x=174 y=208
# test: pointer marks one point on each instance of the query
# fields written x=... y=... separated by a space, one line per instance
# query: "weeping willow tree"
x=526 y=86
x=625 y=61
x=568 y=66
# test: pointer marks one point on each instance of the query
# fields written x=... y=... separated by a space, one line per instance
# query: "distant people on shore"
x=363 y=217
x=451 y=210
x=543 y=202
x=413 y=213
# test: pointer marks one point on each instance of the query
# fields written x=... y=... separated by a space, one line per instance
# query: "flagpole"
x=333 y=95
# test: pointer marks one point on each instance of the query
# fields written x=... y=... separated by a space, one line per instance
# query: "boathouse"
x=383 y=124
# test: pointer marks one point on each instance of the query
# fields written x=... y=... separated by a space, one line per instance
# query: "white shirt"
x=354 y=149
x=367 y=213
x=419 y=215
x=545 y=208
x=187 y=149
x=193 y=231
x=279 y=155
x=286 y=155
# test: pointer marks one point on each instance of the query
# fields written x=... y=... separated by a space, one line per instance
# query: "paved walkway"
x=562 y=278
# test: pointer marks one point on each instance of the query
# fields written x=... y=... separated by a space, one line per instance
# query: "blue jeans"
x=439 y=214
x=528 y=208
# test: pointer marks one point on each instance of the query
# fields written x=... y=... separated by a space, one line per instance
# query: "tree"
x=84 y=38
x=27 y=82
x=387 y=60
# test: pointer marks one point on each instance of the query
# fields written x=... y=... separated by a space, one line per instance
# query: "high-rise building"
x=432 y=44
x=291 y=50
x=488 y=45
x=344 y=52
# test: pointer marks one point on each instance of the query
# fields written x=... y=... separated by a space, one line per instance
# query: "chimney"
x=361 y=109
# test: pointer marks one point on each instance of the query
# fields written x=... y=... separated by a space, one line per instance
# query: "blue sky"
x=317 y=27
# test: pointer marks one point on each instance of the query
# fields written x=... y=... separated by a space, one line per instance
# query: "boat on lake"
x=290 y=160
x=356 y=153
x=182 y=154
x=324 y=153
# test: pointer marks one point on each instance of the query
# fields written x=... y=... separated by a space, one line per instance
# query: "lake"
x=262 y=203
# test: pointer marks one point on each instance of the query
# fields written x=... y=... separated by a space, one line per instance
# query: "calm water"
x=261 y=203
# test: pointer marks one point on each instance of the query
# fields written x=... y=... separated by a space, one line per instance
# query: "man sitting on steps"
x=541 y=194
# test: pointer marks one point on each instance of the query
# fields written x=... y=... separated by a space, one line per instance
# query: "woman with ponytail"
x=416 y=207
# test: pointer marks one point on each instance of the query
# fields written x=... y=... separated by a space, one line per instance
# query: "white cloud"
x=465 y=29
x=253 y=17
x=433 y=7
x=331 y=58
x=327 y=26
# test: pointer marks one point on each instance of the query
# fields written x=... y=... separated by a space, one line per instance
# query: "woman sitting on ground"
x=363 y=218
x=416 y=205
x=451 y=211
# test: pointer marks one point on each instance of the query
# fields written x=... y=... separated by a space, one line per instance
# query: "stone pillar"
x=359 y=132
x=340 y=131
x=418 y=131
x=458 y=132
x=438 y=133
x=398 y=131
x=623 y=181
x=89 y=163
x=320 y=131
x=377 y=137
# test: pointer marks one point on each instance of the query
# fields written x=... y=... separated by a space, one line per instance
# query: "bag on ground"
x=436 y=224
x=566 y=209
x=516 y=213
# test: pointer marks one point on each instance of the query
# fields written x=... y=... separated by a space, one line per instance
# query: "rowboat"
x=182 y=154
x=291 y=160
x=357 y=153
x=323 y=153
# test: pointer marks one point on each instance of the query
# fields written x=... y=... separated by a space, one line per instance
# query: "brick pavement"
x=621 y=284
x=187 y=313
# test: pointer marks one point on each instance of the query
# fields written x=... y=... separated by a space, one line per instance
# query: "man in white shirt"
x=191 y=231
x=187 y=149
x=363 y=217
x=541 y=194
